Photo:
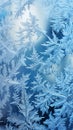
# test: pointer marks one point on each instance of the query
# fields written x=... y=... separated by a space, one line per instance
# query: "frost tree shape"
x=36 y=87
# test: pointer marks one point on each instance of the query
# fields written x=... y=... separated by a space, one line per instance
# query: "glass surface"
x=36 y=65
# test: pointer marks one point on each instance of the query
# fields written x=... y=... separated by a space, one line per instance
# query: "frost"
x=36 y=75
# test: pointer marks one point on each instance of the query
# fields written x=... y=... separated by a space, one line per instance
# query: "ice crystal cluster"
x=36 y=66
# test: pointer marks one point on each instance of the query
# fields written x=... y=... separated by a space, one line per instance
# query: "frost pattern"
x=36 y=78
